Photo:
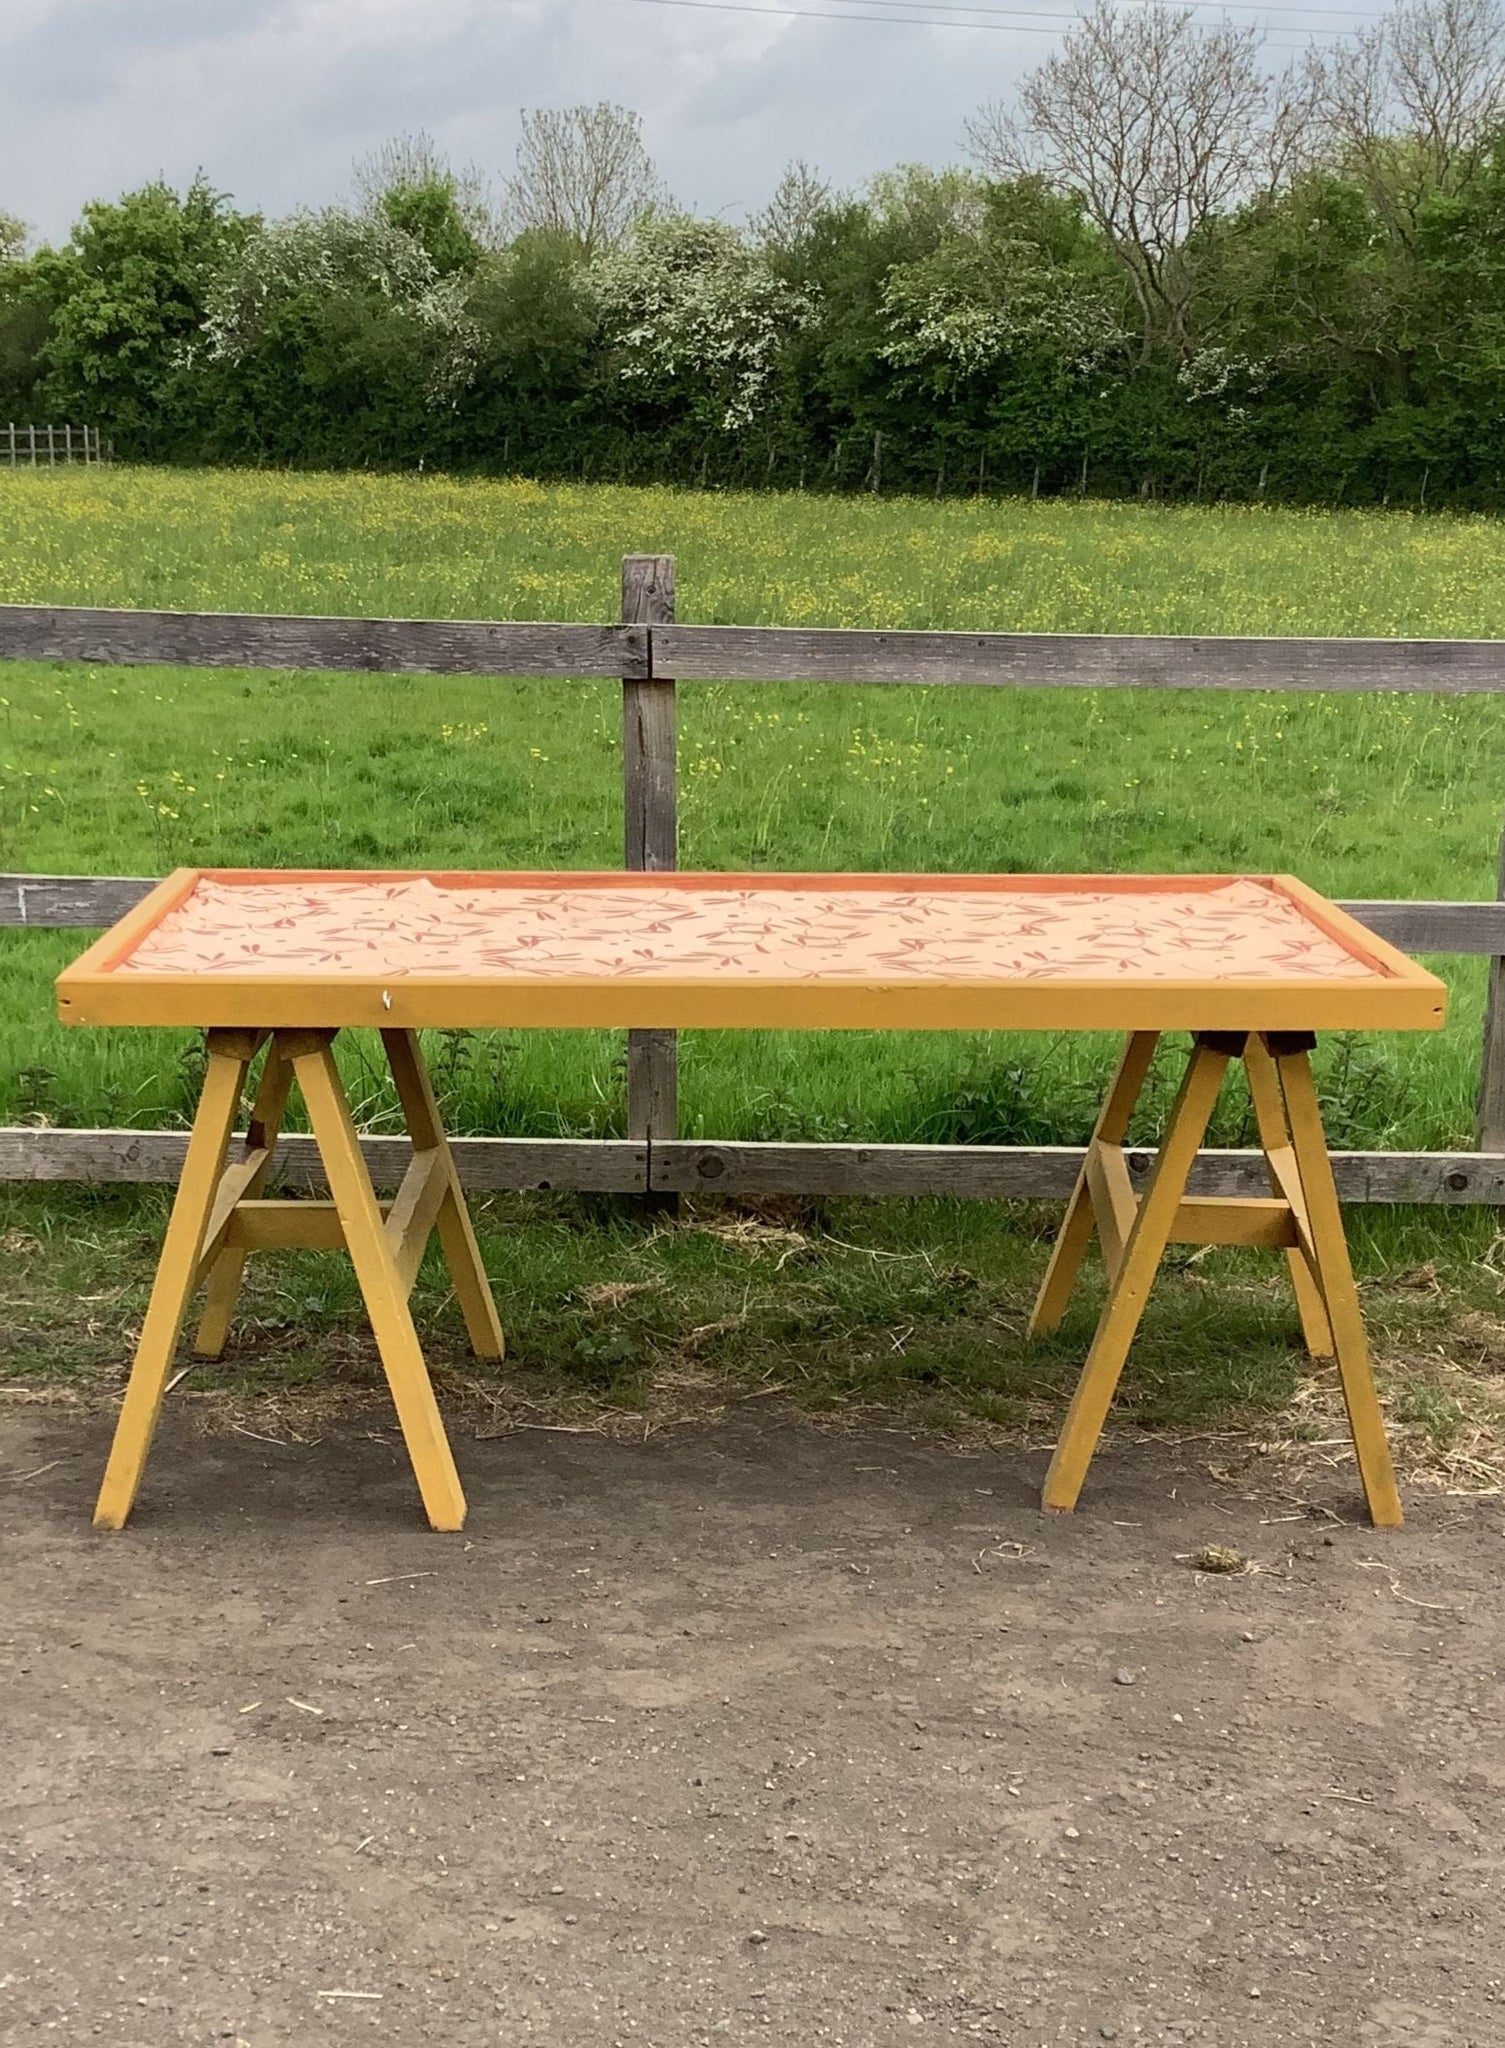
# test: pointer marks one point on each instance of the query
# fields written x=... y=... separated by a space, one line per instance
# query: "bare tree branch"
x=799 y=198
x=582 y=172
x=410 y=162
x=1160 y=124
x=1408 y=103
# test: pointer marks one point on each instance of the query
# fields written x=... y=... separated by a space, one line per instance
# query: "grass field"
x=133 y=771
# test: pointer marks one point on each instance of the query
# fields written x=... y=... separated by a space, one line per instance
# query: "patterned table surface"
x=727 y=935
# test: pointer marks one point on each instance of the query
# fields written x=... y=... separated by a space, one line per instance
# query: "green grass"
x=120 y=771
x=916 y=1309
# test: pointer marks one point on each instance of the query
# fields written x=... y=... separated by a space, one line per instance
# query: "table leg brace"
x=462 y=1254
x=385 y=1293
x=230 y=1054
x=1268 y=1098
x=1111 y=1128
x=228 y=1269
x=1339 y=1295
x=1143 y=1248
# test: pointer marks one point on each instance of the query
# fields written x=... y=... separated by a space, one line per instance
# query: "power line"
x=888 y=20
x=1011 y=25
x=1011 y=13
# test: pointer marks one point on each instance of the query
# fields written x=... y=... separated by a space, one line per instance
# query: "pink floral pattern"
x=414 y=926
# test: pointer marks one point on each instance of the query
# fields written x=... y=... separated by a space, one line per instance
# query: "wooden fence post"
x=650 y=791
x=1489 y=1121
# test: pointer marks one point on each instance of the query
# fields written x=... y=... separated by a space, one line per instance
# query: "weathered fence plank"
x=1422 y=927
x=1007 y=1172
x=1044 y=1172
x=64 y=902
x=627 y=1166
x=746 y=653
x=440 y=647
x=606 y=1165
x=1099 y=661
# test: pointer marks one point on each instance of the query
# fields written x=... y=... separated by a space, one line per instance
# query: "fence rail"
x=647 y=650
x=418 y=647
x=687 y=1166
x=1091 y=661
x=48 y=446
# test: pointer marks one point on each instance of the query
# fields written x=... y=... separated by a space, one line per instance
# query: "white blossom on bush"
x=689 y=302
x=359 y=256
x=976 y=301
x=1223 y=373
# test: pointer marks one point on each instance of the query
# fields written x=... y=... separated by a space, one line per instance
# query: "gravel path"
x=752 y=1734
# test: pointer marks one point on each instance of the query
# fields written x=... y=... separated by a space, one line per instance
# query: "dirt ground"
x=755 y=1733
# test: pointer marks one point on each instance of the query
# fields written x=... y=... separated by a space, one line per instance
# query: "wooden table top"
x=1004 y=952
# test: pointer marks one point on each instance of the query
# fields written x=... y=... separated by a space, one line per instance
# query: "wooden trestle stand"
x=220 y=1215
x=1300 y=1216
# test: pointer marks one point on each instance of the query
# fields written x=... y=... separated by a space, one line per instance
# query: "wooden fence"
x=647 y=650
x=46 y=447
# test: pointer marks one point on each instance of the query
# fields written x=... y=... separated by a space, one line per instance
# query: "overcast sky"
x=273 y=99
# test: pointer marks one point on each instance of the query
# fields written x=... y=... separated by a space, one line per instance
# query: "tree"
x=849 y=389
x=128 y=295
x=1160 y=125
x=1031 y=278
x=582 y=172
x=1411 y=103
x=25 y=316
x=1005 y=330
x=344 y=316
x=431 y=215
x=693 y=315
x=529 y=408
x=799 y=199
x=411 y=183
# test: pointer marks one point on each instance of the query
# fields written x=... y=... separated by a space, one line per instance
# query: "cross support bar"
x=1234 y=1219
x=415 y=1211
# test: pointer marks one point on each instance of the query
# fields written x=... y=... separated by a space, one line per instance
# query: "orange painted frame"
x=1401 y=997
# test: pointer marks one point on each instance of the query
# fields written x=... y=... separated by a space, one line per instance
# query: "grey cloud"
x=273 y=99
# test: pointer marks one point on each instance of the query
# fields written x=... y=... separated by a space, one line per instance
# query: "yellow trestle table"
x=1252 y=966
